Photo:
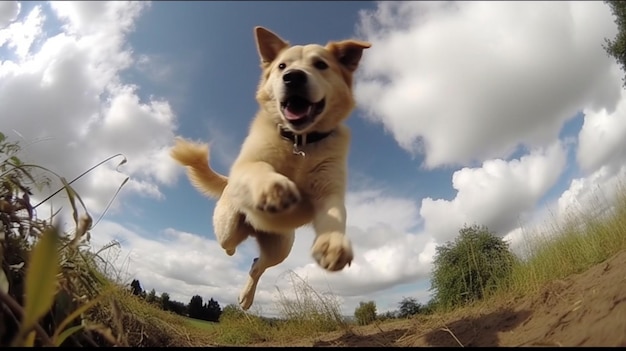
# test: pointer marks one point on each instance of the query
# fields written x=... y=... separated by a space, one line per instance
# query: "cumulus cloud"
x=84 y=112
x=497 y=194
x=186 y=264
x=608 y=127
x=181 y=264
x=461 y=92
x=594 y=193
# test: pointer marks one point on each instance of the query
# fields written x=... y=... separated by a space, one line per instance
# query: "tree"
x=212 y=311
x=470 y=267
x=365 y=313
x=151 y=297
x=195 y=308
x=178 y=307
x=165 y=301
x=408 y=307
x=135 y=288
x=617 y=46
x=388 y=315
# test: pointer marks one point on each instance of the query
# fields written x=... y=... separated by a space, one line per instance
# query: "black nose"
x=294 y=78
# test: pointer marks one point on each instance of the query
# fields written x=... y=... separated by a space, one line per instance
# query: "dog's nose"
x=294 y=78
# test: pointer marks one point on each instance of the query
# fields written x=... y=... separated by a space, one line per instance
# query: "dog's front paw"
x=332 y=251
x=278 y=194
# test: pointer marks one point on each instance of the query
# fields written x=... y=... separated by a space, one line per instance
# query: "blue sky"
x=503 y=114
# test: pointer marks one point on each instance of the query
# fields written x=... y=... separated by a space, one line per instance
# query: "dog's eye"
x=281 y=66
x=320 y=64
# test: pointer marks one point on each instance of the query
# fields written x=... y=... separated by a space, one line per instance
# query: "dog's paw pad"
x=279 y=195
x=332 y=251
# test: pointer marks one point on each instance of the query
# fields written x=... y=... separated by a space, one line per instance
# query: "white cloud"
x=496 y=195
x=602 y=139
x=594 y=193
x=181 y=264
x=84 y=112
x=185 y=264
x=20 y=35
x=461 y=92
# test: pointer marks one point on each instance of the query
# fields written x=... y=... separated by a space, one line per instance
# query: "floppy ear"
x=268 y=44
x=348 y=52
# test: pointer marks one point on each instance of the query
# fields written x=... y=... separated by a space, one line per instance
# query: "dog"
x=291 y=170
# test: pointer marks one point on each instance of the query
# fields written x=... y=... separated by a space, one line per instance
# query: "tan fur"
x=270 y=190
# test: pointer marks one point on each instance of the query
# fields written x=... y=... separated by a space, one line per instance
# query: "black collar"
x=303 y=139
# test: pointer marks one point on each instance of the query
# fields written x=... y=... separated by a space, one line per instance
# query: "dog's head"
x=307 y=88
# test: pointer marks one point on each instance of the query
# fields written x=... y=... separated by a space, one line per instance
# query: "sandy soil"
x=587 y=309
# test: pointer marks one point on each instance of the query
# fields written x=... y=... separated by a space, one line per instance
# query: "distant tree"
x=408 y=307
x=470 y=267
x=212 y=311
x=430 y=307
x=151 y=297
x=365 y=313
x=388 y=315
x=165 y=301
x=195 y=307
x=135 y=288
x=617 y=46
x=178 y=307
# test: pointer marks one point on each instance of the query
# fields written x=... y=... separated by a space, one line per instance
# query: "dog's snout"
x=294 y=78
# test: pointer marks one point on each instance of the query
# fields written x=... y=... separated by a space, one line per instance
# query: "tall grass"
x=304 y=314
x=311 y=311
x=571 y=246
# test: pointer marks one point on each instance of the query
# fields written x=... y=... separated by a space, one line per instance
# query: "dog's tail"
x=196 y=157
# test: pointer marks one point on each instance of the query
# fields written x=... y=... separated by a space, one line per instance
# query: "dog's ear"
x=268 y=44
x=348 y=52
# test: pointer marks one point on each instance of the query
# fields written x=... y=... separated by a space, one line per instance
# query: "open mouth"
x=301 y=112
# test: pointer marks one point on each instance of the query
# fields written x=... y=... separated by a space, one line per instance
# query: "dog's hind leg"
x=229 y=224
x=274 y=248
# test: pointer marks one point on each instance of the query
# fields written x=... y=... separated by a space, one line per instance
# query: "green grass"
x=573 y=246
x=202 y=324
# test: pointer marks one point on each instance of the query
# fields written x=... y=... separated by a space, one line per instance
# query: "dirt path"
x=587 y=309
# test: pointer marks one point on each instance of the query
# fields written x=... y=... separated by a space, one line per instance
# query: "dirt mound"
x=586 y=309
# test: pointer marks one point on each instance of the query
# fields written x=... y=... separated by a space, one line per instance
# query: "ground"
x=586 y=309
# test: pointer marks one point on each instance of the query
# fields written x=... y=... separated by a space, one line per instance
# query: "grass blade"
x=66 y=333
x=41 y=275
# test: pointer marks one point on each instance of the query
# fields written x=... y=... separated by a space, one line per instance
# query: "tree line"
x=196 y=308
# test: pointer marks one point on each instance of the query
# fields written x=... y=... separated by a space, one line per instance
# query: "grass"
x=198 y=323
x=573 y=246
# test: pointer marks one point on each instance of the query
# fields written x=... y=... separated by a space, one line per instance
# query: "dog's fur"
x=275 y=186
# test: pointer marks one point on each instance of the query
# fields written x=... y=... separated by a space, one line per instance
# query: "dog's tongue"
x=297 y=109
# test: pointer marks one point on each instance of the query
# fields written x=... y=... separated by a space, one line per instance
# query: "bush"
x=365 y=313
x=408 y=307
x=470 y=267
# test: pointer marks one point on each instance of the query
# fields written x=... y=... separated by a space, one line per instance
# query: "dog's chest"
x=313 y=177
